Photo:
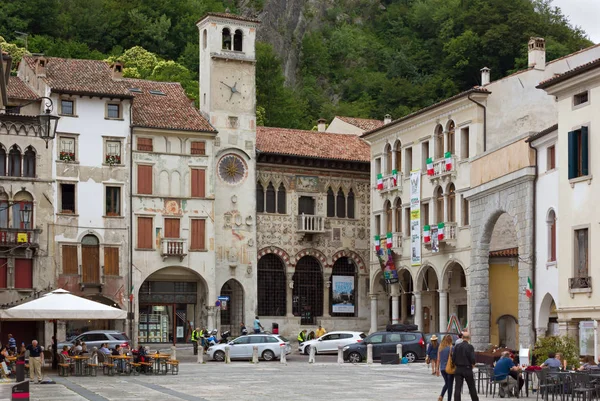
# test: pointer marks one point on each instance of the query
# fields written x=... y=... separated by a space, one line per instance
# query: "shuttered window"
x=144 y=144
x=578 y=153
x=144 y=233
x=69 y=259
x=198 y=240
x=198 y=148
x=198 y=183
x=171 y=228
x=3 y=271
x=111 y=261
x=23 y=273
x=144 y=179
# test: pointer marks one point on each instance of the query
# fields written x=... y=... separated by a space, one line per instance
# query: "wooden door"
x=90 y=260
x=426 y=320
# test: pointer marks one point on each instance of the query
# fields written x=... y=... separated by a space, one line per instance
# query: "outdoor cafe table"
x=122 y=358
x=157 y=359
x=79 y=370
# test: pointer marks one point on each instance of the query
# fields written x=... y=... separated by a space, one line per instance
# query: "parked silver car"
x=269 y=347
x=329 y=342
x=96 y=338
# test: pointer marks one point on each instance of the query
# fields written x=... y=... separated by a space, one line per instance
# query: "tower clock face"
x=232 y=169
x=232 y=90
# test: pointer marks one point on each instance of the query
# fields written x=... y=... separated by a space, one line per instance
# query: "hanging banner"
x=390 y=273
x=342 y=294
x=415 y=217
x=435 y=242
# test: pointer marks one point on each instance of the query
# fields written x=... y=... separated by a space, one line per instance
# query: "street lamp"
x=26 y=216
x=48 y=123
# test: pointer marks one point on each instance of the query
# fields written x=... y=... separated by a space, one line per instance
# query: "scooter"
x=225 y=337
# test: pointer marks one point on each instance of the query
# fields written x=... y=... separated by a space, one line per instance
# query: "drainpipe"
x=484 y=120
x=533 y=240
x=131 y=311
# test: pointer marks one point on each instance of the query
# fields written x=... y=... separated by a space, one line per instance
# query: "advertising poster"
x=435 y=242
x=342 y=294
x=415 y=217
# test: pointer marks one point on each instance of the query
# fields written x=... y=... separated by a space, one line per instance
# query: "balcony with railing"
x=445 y=167
x=580 y=284
x=449 y=234
x=174 y=247
x=310 y=224
x=391 y=182
x=19 y=236
x=397 y=243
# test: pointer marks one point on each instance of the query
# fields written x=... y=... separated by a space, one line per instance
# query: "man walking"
x=195 y=338
x=463 y=357
x=257 y=326
x=35 y=361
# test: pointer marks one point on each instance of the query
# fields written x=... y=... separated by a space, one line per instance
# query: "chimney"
x=537 y=53
x=485 y=76
x=117 y=70
x=321 y=125
x=40 y=66
x=387 y=119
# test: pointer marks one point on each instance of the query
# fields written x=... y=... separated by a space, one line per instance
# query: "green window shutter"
x=584 y=151
x=572 y=154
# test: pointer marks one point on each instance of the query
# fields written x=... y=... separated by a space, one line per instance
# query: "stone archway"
x=453 y=294
x=547 y=308
x=427 y=295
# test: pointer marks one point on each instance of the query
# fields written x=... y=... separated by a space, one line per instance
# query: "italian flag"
x=429 y=166
x=440 y=231
x=529 y=289
x=379 y=182
x=448 y=157
x=427 y=234
x=395 y=177
x=388 y=242
x=377 y=243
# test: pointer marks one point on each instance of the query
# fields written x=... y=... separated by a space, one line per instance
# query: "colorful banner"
x=415 y=217
x=342 y=294
x=390 y=273
x=435 y=242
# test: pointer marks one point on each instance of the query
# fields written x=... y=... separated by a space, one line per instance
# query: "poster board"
x=342 y=294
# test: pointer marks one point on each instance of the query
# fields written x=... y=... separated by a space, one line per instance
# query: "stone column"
x=446 y=142
x=404 y=300
x=418 y=310
x=443 y=324
x=540 y=332
x=373 y=313
x=326 y=286
x=211 y=317
x=395 y=299
x=289 y=295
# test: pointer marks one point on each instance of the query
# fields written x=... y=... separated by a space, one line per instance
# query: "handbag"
x=427 y=359
x=450 y=366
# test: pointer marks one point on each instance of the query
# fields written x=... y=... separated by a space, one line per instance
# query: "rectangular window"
x=578 y=153
x=113 y=201
x=198 y=235
x=111 y=261
x=3 y=272
x=424 y=155
x=66 y=149
x=67 y=107
x=144 y=144
x=465 y=211
x=377 y=167
x=172 y=228
x=377 y=225
x=67 y=198
x=198 y=148
x=581 y=253
x=551 y=158
x=113 y=152
x=198 y=183
x=69 y=259
x=144 y=179
x=425 y=211
x=23 y=273
x=464 y=143
x=409 y=162
x=552 y=252
x=580 y=98
x=407 y=221
x=144 y=233
x=113 y=110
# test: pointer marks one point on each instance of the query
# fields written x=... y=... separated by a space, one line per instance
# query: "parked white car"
x=269 y=347
x=329 y=342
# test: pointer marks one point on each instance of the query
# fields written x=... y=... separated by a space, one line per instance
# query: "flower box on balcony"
x=67 y=156
x=113 y=159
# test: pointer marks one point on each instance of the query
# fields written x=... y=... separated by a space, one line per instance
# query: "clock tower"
x=228 y=100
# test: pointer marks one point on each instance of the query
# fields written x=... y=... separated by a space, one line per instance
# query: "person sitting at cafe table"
x=65 y=350
x=563 y=362
x=84 y=349
x=588 y=363
x=120 y=364
x=505 y=368
x=552 y=361
x=104 y=349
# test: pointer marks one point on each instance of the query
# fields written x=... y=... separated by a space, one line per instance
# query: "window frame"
x=59 y=149
x=120 y=201
x=200 y=151
x=576 y=248
x=195 y=191
x=119 y=106
x=105 y=142
x=579 y=150
x=73 y=106
x=551 y=157
x=552 y=239
x=575 y=104
x=61 y=210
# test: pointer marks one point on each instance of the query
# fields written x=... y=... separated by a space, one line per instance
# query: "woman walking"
x=443 y=354
x=432 y=354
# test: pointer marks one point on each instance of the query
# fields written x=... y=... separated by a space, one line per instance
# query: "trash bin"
x=20 y=391
x=20 y=373
x=275 y=328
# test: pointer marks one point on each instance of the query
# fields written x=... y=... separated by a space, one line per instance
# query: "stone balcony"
x=173 y=247
x=441 y=172
x=580 y=285
x=310 y=224
x=450 y=234
x=388 y=183
x=18 y=236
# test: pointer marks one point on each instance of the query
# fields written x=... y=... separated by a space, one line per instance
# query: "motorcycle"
x=225 y=337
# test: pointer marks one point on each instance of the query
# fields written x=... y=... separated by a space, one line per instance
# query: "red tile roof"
x=74 y=76
x=569 y=74
x=229 y=16
x=314 y=144
x=365 y=124
x=511 y=252
x=173 y=110
x=17 y=89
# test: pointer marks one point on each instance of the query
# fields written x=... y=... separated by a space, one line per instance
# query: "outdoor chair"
x=64 y=366
x=146 y=367
x=547 y=384
x=581 y=385
x=108 y=368
x=500 y=383
x=48 y=356
x=174 y=366
x=92 y=365
x=135 y=368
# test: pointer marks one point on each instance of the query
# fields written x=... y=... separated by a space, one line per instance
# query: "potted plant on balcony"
x=66 y=156
x=113 y=159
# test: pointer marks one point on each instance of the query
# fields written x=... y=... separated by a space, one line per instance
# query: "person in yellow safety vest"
x=195 y=337
x=201 y=335
x=302 y=336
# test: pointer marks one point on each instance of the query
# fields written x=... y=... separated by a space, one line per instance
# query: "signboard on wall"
x=415 y=217
x=342 y=294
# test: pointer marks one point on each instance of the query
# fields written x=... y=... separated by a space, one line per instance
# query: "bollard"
x=173 y=353
x=311 y=354
x=340 y=354
x=200 y=355
x=227 y=357
x=282 y=356
x=255 y=354
x=399 y=350
x=369 y=354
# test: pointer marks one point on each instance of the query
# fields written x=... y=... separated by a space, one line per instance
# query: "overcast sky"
x=582 y=13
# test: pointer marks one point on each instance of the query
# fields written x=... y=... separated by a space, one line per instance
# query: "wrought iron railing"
x=580 y=283
x=16 y=236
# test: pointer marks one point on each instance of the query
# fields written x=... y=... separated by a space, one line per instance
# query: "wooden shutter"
x=144 y=233
x=144 y=144
x=198 y=234
x=198 y=183
x=584 y=151
x=3 y=271
x=69 y=259
x=572 y=154
x=144 y=179
x=90 y=264
x=198 y=148
x=23 y=273
x=171 y=228
x=111 y=261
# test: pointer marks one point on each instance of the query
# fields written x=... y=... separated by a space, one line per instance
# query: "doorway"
x=306 y=205
x=426 y=319
x=90 y=259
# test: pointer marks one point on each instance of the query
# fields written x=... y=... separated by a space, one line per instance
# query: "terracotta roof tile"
x=542 y=133
x=568 y=74
x=320 y=145
x=173 y=110
x=365 y=124
x=511 y=252
x=80 y=77
x=17 y=89
x=229 y=16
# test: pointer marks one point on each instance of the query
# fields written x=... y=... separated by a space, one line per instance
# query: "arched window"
x=307 y=294
x=341 y=203
x=90 y=259
x=330 y=203
x=398 y=214
x=22 y=210
x=451 y=203
x=238 y=38
x=350 y=210
x=551 y=221
x=439 y=142
x=451 y=137
x=388 y=159
x=271 y=280
x=398 y=152
x=342 y=291
x=226 y=39
x=388 y=217
x=260 y=198
x=439 y=205
x=14 y=162
x=29 y=162
x=2 y=161
x=281 y=201
x=270 y=198
x=204 y=39
x=4 y=211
